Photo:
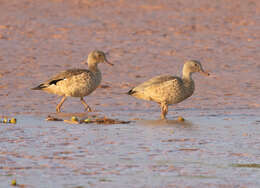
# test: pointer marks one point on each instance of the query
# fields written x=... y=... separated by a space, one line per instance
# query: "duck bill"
x=204 y=73
x=107 y=62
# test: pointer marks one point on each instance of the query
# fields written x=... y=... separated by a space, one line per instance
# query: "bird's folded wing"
x=66 y=75
x=156 y=81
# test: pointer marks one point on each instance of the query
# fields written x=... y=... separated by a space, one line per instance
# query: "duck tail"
x=39 y=87
x=131 y=92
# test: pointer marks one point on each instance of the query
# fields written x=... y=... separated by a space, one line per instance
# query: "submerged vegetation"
x=6 y=120
x=97 y=120
x=249 y=165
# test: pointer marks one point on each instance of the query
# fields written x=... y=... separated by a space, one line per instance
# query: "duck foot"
x=86 y=106
x=164 y=110
x=60 y=103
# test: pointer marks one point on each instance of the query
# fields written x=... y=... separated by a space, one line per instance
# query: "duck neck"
x=93 y=67
x=186 y=75
x=188 y=83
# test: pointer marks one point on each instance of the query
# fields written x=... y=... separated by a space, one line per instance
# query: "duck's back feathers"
x=157 y=80
x=157 y=89
x=72 y=82
x=68 y=74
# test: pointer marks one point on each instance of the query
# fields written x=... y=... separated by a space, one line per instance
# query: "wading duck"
x=76 y=82
x=167 y=90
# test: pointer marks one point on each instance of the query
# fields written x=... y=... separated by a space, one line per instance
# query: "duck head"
x=192 y=66
x=96 y=57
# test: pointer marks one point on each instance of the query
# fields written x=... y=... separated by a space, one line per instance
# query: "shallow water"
x=199 y=152
x=144 y=39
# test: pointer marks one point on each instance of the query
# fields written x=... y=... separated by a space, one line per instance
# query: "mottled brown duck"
x=167 y=90
x=76 y=82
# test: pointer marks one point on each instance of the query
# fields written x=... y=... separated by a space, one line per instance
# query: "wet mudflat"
x=217 y=146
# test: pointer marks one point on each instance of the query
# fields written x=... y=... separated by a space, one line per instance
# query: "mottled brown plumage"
x=167 y=90
x=76 y=82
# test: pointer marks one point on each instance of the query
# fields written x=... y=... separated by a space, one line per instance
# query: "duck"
x=76 y=82
x=166 y=89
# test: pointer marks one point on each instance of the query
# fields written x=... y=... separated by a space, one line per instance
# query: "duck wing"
x=157 y=88
x=62 y=76
x=154 y=81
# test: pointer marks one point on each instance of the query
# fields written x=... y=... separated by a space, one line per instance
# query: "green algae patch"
x=104 y=180
x=249 y=165
x=96 y=120
x=5 y=120
x=181 y=119
x=13 y=182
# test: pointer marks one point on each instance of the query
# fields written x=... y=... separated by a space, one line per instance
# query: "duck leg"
x=60 y=104
x=164 y=110
x=87 y=107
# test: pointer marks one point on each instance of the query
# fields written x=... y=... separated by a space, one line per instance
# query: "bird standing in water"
x=76 y=82
x=167 y=90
